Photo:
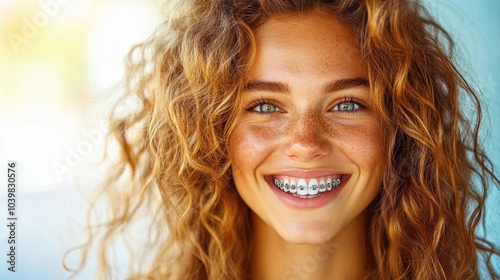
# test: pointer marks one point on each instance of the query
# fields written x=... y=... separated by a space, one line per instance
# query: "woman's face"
x=307 y=146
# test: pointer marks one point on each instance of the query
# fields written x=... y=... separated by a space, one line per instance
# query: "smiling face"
x=307 y=153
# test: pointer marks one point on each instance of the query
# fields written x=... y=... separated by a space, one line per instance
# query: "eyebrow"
x=280 y=87
x=267 y=86
x=345 y=84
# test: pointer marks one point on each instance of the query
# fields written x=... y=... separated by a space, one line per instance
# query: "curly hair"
x=185 y=82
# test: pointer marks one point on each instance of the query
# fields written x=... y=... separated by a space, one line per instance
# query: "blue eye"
x=266 y=108
x=347 y=106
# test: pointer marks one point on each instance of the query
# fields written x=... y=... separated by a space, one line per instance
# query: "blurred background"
x=59 y=59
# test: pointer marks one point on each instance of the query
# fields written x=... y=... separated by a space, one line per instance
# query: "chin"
x=299 y=233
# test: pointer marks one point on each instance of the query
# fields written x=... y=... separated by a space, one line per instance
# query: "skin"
x=306 y=130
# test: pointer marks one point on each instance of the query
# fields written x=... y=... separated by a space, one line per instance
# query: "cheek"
x=249 y=143
x=363 y=144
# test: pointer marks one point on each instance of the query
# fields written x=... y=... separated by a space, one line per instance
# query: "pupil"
x=345 y=106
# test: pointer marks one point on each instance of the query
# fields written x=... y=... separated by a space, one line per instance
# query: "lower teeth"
x=305 y=196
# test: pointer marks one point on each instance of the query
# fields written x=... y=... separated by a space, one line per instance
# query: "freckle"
x=259 y=135
x=332 y=130
x=309 y=126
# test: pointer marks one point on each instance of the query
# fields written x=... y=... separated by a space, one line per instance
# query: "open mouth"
x=306 y=187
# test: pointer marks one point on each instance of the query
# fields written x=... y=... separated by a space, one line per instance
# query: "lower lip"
x=307 y=203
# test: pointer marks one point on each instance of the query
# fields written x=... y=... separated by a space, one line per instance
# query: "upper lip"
x=306 y=173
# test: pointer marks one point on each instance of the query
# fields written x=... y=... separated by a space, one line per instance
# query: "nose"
x=307 y=137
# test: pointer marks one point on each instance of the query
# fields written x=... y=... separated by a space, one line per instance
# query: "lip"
x=304 y=173
x=298 y=203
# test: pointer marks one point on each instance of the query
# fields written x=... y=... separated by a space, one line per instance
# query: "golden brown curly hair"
x=185 y=82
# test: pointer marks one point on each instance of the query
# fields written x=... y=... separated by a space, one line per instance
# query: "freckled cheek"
x=363 y=144
x=250 y=144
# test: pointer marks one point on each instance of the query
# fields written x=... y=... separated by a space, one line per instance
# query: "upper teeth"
x=302 y=187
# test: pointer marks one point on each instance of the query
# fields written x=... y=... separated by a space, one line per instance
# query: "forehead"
x=313 y=43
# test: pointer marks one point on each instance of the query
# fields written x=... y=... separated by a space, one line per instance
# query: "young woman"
x=299 y=139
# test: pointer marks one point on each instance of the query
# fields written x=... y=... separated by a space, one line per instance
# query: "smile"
x=307 y=188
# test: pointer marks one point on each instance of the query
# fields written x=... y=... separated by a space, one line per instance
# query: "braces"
x=328 y=186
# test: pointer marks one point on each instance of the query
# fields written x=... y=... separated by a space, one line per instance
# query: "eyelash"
x=360 y=103
x=348 y=99
x=259 y=102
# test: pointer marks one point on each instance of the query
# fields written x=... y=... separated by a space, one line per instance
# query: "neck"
x=346 y=256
